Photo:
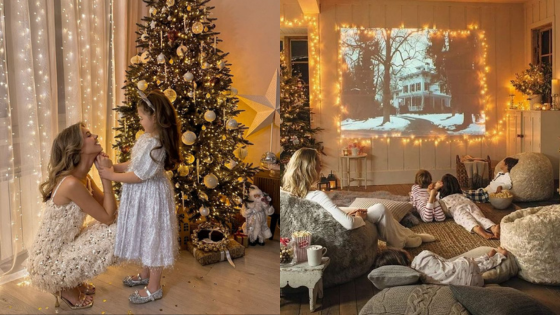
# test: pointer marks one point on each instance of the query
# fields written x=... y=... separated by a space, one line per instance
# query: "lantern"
x=333 y=182
x=323 y=183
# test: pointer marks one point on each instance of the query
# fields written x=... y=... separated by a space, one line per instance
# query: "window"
x=405 y=89
x=412 y=87
x=297 y=53
x=418 y=86
x=542 y=45
x=426 y=86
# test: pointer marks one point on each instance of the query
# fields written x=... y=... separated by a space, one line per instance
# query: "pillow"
x=507 y=269
x=392 y=276
x=398 y=208
x=497 y=301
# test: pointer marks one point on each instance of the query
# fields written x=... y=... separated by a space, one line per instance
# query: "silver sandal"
x=137 y=299
x=128 y=281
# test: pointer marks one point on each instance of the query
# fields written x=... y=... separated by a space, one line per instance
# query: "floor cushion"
x=532 y=235
x=532 y=177
x=392 y=276
x=352 y=252
x=507 y=269
x=414 y=299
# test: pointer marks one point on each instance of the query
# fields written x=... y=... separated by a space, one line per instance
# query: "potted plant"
x=355 y=149
x=534 y=82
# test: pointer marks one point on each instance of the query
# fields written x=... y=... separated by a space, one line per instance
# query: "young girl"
x=438 y=270
x=502 y=180
x=464 y=211
x=147 y=223
x=423 y=198
x=302 y=172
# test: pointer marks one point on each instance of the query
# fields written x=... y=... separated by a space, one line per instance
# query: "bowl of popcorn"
x=501 y=200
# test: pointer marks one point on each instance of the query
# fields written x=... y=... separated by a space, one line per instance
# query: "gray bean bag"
x=532 y=236
x=532 y=177
x=352 y=252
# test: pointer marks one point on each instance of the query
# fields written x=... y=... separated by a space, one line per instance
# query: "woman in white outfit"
x=303 y=172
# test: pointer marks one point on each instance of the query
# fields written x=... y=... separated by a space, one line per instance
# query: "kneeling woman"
x=303 y=172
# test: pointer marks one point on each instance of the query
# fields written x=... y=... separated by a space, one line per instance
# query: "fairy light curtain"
x=56 y=68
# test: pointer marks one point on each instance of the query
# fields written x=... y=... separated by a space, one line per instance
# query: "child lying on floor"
x=423 y=198
x=438 y=270
x=502 y=180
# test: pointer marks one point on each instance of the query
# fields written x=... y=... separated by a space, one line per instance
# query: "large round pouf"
x=532 y=177
x=352 y=252
x=531 y=235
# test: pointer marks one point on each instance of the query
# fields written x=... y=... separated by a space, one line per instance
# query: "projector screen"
x=412 y=82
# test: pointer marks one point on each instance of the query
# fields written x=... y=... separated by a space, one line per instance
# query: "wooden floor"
x=250 y=288
x=349 y=298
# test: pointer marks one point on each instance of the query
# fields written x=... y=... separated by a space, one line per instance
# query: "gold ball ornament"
x=189 y=138
x=145 y=57
x=142 y=85
x=139 y=133
x=232 y=124
x=153 y=11
x=240 y=153
x=161 y=58
x=188 y=77
x=211 y=181
x=197 y=27
x=144 y=37
x=183 y=170
x=208 y=159
x=206 y=29
x=135 y=60
x=231 y=164
x=204 y=211
x=170 y=2
x=169 y=174
x=181 y=51
x=221 y=64
x=210 y=116
x=170 y=94
x=189 y=8
x=205 y=65
x=190 y=158
x=208 y=95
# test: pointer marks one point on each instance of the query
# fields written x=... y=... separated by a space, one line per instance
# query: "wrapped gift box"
x=242 y=239
x=235 y=249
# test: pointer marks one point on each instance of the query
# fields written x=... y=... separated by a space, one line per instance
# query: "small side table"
x=345 y=169
x=302 y=274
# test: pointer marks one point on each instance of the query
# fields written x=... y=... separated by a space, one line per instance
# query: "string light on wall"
x=484 y=98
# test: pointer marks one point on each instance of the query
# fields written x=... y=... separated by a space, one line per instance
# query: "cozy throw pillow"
x=392 y=276
x=398 y=208
x=498 y=301
x=507 y=269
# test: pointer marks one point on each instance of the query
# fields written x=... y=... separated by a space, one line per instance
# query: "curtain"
x=56 y=69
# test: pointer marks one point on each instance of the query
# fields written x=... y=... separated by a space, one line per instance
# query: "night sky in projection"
x=412 y=82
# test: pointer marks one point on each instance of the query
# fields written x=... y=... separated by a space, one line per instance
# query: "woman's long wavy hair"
x=301 y=172
x=65 y=156
x=450 y=186
x=169 y=128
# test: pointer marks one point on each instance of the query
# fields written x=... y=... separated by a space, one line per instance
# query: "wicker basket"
x=462 y=177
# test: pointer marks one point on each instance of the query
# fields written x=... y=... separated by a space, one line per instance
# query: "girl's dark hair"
x=392 y=257
x=169 y=130
x=510 y=162
x=450 y=186
x=423 y=179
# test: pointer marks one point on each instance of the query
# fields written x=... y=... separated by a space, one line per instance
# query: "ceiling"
x=292 y=31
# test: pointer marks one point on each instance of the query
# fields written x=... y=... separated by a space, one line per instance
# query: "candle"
x=555 y=86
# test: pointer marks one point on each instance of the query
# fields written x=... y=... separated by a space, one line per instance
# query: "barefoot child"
x=423 y=198
x=501 y=181
x=438 y=270
x=147 y=223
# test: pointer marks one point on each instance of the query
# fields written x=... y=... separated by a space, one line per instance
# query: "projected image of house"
x=419 y=93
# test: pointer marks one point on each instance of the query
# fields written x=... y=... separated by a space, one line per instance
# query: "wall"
x=249 y=29
x=391 y=160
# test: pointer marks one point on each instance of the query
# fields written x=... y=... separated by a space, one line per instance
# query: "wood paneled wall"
x=391 y=161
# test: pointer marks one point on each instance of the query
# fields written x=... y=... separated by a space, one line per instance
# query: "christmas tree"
x=178 y=55
x=295 y=129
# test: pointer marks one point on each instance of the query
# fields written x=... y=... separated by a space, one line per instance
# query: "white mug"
x=315 y=254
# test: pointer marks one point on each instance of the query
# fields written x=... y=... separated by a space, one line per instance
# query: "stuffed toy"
x=256 y=206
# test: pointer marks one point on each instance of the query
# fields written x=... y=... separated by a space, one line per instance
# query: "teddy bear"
x=256 y=206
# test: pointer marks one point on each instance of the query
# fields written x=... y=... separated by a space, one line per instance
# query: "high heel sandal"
x=80 y=305
x=88 y=288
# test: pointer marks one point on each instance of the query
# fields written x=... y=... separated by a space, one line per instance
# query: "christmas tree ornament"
x=161 y=58
x=145 y=57
x=205 y=65
x=189 y=8
x=231 y=164
x=188 y=77
x=203 y=127
x=142 y=85
x=139 y=134
x=183 y=170
x=233 y=91
x=197 y=28
x=135 y=60
x=144 y=37
x=153 y=11
x=204 y=211
x=164 y=10
x=169 y=174
x=221 y=64
x=231 y=124
x=171 y=94
x=211 y=181
x=208 y=95
x=181 y=51
x=208 y=160
x=189 y=158
x=169 y=18
x=190 y=94
x=209 y=116
x=295 y=140
x=189 y=138
x=172 y=35
x=206 y=29
x=153 y=24
x=171 y=61
x=241 y=153
x=170 y=2
x=203 y=196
